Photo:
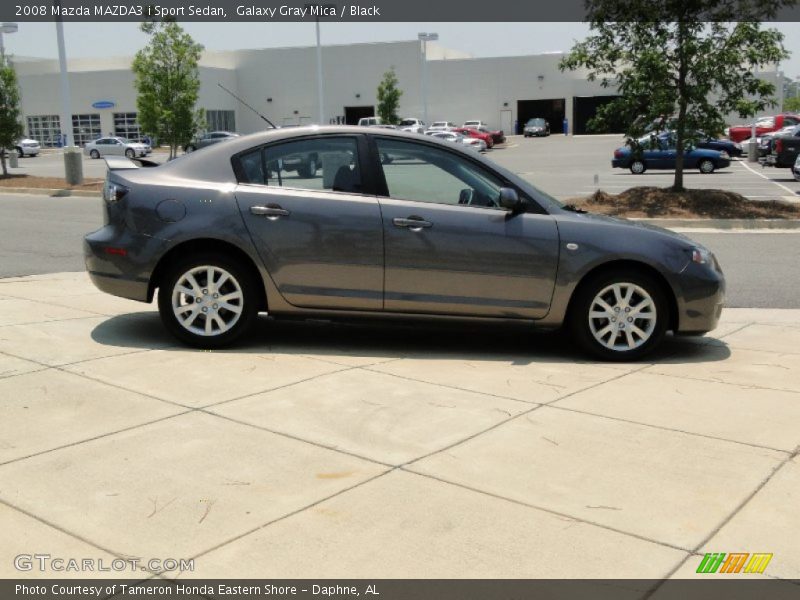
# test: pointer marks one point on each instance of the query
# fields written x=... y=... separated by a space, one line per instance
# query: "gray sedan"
x=208 y=139
x=389 y=225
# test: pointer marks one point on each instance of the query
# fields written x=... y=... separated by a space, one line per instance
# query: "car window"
x=789 y=121
x=325 y=163
x=427 y=174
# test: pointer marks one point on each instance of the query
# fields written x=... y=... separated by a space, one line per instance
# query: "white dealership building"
x=281 y=84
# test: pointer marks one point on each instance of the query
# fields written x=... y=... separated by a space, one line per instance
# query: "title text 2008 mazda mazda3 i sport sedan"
x=384 y=223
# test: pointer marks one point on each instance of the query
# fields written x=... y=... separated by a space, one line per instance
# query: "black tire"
x=94 y=154
x=706 y=166
x=637 y=167
x=240 y=276
x=308 y=169
x=20 y=153
x=189 y=148
x=130 y=153
x=581 y=324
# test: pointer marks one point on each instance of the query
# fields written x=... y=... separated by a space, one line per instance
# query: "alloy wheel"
x=207 y=300
x=622 y=317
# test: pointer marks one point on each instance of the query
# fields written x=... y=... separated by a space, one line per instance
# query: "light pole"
x=425 y=38
x=6 y=28
x=73 y=160
x=323 y=9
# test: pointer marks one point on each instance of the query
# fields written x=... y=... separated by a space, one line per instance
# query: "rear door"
x=318 y=234
x=449 y=248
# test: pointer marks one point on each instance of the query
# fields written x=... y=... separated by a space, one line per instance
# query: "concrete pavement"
x=320 y=450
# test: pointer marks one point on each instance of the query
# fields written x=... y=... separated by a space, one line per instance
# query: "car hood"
x=624 y=224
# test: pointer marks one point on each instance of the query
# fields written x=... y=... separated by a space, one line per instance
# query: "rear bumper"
x=128 y=275
x=773 y=160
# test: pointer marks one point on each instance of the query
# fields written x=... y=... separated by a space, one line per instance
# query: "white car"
x=456 y=138
x=116 y=146
x=442 y=126
x=27 y=147
x=412 y=125
x=475 y=124
x=369 y=121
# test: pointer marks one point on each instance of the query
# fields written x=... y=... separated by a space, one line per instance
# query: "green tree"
x=685 y=63
x=792 y=104
x=10 y=127
x=389 y=97
x=167 y=83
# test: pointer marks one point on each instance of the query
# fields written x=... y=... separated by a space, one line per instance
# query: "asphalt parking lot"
x=320 y=450
x=566 y=168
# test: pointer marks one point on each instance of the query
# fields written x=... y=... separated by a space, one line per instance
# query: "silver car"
x=116 y=146
x=208 y=139
x=27 y=147
x=391 y=225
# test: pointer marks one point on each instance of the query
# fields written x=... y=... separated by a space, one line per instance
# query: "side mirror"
x=510 y=200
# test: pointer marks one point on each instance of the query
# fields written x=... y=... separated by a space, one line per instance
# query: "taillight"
x=113 y=192
x=617 y=153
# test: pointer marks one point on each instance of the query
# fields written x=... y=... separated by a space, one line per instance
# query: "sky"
x=479 y=39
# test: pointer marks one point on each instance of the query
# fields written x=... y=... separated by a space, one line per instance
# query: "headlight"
x=701 y=256
x=724 y=154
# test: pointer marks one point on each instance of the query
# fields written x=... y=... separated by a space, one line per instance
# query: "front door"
x=319 y=237
x=450 y=249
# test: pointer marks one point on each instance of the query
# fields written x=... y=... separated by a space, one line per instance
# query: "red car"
x=472 y=132
x=764 y=125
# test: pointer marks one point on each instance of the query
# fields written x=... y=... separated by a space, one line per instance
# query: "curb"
x=58 y=193
x=747 y=224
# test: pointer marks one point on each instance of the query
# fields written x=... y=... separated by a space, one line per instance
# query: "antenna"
x=271 y=124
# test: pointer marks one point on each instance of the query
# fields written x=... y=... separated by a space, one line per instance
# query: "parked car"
x=764 y=142
x=701 y=140
x=439 y=232
x=369 y=121
x=110 y=146
x=474 y=132
x=796 y=169
x=658 y=152
x=536 y=127
x=763 y=125
x=474 y=123
x=412 y=125
x=456 y=138
x=784 y=149
x=27 y=147
x=209 y=139
x=442 y=126
x=498 y=137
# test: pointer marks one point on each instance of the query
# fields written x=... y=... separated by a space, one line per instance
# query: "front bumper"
x=700 y=298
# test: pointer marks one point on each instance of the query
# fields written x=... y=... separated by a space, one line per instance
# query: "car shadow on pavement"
x=513 y=344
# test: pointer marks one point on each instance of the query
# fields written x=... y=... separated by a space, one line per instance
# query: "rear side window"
x=320 y=164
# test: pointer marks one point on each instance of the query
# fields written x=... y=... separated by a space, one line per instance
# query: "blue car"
x=658 y=152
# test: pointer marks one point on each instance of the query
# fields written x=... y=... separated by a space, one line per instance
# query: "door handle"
x=272 y=211
x=413 y=223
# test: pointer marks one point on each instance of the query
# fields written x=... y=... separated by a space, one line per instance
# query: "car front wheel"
x=638 y=167
x=707 y=166
x=94 y=154
x=207 y=301
x=619 y=316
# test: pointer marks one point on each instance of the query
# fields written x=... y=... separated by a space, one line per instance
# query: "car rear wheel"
x=638 y=167
x=20 y=153
x=208 y=301
x=130 y=153
x=94 y=154
x=707 y=166
x=619 y=315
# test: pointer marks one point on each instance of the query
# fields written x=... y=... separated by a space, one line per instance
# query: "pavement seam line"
x=544 y=509
x=286 y=516
x=51 y=321
x=48 y=303
x=750 y=386
x=669 y=429
x=760 y=486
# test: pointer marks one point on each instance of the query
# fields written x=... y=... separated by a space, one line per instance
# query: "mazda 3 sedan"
x=389 y=225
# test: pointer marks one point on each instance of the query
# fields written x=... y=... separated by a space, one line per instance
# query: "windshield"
x=408 y=122
x=536 y=123
x=124 y=140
